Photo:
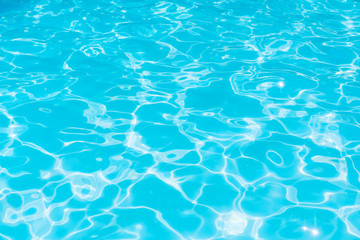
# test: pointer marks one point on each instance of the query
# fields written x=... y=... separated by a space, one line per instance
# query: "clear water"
x=178 y=119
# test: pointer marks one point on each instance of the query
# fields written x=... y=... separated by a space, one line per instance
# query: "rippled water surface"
x=165 y=120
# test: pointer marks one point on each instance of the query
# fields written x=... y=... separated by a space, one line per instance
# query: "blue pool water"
x=168 y=120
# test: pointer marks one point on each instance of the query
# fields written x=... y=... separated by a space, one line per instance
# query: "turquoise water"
x=168 y=120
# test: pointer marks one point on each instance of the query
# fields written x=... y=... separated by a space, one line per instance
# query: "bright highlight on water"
x=168 y=120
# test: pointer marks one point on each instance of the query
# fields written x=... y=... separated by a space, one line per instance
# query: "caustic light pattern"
x=166 y=120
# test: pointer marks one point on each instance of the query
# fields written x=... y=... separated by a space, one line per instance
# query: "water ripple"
x=179 y=120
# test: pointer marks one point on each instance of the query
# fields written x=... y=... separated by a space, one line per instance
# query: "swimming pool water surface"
x=166 y=120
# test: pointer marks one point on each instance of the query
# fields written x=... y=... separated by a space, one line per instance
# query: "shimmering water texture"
x=235 y=119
